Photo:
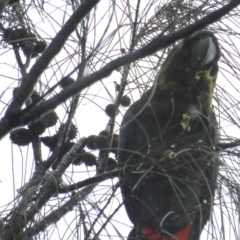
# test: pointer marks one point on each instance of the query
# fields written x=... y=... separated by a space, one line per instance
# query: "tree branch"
x=57 y=214
x=29 y=115
x=29 y=81
x=35 y=198
x=93 y=180
x=158 y=43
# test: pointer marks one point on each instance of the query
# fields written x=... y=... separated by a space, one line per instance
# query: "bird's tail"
x=148 y=233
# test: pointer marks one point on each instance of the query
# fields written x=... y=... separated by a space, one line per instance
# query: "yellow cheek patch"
x=203 y=78
x=186 y=122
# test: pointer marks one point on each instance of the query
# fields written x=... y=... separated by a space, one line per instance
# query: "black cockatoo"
x=167 y=146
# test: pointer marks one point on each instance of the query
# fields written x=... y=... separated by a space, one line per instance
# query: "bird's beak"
x=204 y=51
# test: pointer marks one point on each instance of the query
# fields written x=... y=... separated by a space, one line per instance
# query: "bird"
x=168 y=145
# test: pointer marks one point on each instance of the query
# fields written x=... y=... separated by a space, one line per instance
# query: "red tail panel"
x=151 y=234
x=183 y=233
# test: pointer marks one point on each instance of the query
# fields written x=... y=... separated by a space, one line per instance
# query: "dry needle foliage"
x=69 y=70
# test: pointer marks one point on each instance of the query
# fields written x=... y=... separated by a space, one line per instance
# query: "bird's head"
x=192 y=64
